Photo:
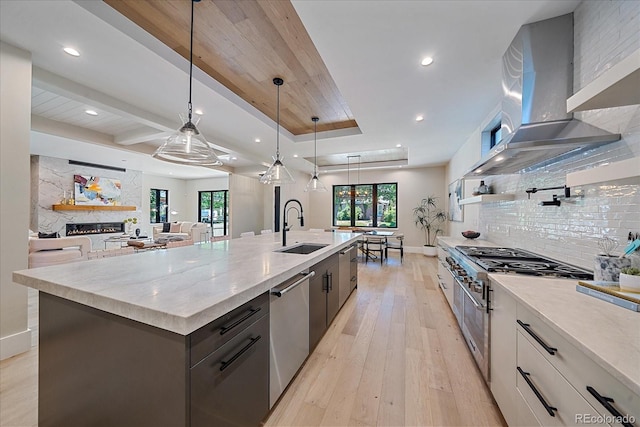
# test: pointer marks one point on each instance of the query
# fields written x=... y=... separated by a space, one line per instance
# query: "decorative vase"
x=129 y=226
x=430 y=250
x=607 y=267
x=629 y=283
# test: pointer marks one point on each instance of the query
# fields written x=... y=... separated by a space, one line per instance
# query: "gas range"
x=514 y=260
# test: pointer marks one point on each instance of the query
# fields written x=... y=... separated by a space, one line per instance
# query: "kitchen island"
x=119 y=337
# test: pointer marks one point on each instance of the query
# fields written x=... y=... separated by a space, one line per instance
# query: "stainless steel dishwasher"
x=289 y=340
x=344 y=274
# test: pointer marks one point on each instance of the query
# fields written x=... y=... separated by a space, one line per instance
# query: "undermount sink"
x=303 y=248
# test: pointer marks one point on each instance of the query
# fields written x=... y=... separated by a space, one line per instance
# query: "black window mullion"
x=353 y=205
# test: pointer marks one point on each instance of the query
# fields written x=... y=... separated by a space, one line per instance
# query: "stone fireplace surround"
x=51 y=177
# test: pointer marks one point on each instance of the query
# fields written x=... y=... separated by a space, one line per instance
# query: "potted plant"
x=630 y=279
x=429 y=218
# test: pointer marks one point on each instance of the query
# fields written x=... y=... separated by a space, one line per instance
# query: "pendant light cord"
x=191 y=59
x=278 y=126
x=315 y=146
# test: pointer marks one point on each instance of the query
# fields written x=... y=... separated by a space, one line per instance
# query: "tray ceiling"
x=244 y=45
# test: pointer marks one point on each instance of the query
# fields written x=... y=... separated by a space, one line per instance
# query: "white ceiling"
x=372 y=49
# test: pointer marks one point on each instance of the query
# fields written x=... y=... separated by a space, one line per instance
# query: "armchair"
x=44 y=252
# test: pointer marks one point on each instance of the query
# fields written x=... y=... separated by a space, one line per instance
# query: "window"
x=159 y=206
x=213 y=208
x=496 y=135
x=365 y=205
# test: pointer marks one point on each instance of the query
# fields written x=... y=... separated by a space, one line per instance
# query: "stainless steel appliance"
x=344 y=272
x=470 y=266
x=289 y=340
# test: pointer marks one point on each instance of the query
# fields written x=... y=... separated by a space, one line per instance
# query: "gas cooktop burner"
x=474 y=251
x=538 y=267
x=512 y=260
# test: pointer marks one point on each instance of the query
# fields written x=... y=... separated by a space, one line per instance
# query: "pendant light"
x=277 y=173
x=187 y=146
x=314 y=183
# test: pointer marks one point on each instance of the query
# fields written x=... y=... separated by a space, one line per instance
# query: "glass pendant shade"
x=188 y=146
x=314 y=183
x=277 y=173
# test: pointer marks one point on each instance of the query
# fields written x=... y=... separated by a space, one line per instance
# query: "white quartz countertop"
x=183 y=289
x=608 y=334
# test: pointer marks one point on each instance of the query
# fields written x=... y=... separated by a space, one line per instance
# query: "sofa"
x=184 y=229
x=44 y=252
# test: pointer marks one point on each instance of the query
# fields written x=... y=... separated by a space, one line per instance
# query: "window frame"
x=374 y=204
x=225 y=222
x=158 y=206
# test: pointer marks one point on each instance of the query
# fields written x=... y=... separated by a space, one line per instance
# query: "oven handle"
x=471 y=297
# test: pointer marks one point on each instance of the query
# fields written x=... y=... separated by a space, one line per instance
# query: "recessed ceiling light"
x=91 y=112
x=427 y=61
x=295 y=156
x=499 y=158
x=257 y=139
x=71 y=51
x=398 y=145
x=234 y=158
x=419 y=118
x=478 y=170
x=199 y=112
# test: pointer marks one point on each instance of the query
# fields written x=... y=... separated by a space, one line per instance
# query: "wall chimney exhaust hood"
x=537 y=79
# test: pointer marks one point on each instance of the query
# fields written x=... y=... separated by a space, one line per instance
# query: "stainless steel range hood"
x=537 y=79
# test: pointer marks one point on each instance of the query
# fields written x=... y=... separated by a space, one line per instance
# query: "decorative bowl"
x=470 y=234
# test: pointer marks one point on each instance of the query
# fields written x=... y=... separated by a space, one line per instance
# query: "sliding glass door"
x=213 y=208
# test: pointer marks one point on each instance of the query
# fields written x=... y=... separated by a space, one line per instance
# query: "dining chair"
x=374 y=245
x=267 y=231
x=247 y=234
x=396 y=242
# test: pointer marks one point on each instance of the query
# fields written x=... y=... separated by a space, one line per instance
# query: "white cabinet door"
x=502 y=372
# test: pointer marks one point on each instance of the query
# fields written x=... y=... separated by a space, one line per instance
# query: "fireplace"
x=81 y=229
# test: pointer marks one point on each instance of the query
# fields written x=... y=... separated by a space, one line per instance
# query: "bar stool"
x=373 y=245
x=395 y=242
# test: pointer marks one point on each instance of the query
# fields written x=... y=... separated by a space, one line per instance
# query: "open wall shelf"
x=487 y=198
x=623 y=169
x=92 y=208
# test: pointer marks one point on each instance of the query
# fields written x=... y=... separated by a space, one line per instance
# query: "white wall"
x=413 y=185
x=246 y=199
x=604 y=33
x=15 y=123
x=196 y=185
x=177 y=199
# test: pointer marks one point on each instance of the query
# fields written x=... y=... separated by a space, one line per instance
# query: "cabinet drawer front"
x=210 y=337
x=539 y=383
x=231 y=385
x=580 y=370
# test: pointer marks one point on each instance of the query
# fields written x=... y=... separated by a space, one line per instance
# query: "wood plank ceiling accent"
x=244 y=45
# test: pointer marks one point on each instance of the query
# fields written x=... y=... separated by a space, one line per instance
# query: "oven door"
x=475 y=328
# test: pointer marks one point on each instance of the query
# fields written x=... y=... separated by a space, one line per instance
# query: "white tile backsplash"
x=605 y=33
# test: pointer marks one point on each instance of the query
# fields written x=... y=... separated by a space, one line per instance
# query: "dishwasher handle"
x=280 y=292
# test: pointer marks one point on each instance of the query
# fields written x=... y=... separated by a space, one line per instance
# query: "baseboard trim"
x=15 y=344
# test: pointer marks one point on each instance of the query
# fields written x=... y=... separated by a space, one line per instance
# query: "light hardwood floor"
x=393 y=356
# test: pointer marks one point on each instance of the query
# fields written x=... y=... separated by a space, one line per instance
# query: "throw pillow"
x=42 y=235
x=175 y=228
x=135 y=243
x=166 y=226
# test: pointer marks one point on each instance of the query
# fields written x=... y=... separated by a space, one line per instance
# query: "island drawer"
x=594 y=384
x=210 y=337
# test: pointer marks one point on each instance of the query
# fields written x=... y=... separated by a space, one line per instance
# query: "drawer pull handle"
x=549 y=408
x=526 y=327
x=305 y=276
x=607 y=403
x=224 y=365
x=226 y=328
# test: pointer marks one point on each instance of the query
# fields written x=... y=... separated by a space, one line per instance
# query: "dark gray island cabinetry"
x=98 y=369
x=323 y=298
